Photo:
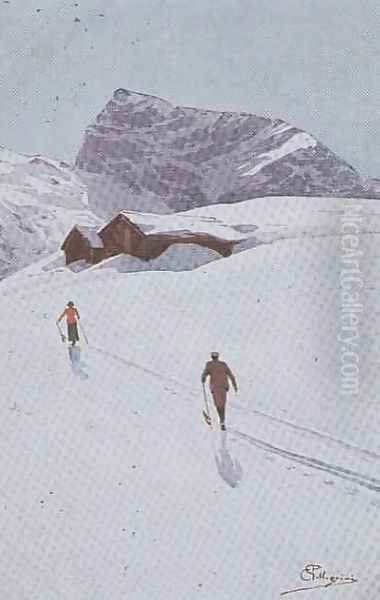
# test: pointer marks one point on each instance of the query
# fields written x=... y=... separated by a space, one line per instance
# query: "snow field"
x=113 y=482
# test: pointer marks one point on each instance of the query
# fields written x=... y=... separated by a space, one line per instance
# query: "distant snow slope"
x=114 y=487
x=250 y=223
x=142 y=153
x=40 y=200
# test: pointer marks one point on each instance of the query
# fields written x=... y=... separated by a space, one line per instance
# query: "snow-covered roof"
x=91 y=235
x=127 y=220
x=186 y=233
x=184 y=223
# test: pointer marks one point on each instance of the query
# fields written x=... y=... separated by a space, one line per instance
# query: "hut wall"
x=76 y=248
x=154 y=245
x=96 y=255
x=120 y=237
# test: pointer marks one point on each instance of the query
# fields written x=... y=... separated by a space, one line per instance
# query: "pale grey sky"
x=315 y=63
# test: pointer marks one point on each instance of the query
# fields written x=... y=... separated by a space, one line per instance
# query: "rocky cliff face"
x=144 y=153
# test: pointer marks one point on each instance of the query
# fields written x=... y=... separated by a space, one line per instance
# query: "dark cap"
x=214 y=354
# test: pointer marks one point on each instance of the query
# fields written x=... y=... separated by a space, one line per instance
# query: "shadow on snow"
x=229 y=468
x=76 y=363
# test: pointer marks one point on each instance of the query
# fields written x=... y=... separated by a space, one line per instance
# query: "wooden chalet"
x=122 y=236
x=83 y=243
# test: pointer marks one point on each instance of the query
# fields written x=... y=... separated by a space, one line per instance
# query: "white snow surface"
x=40 y=201
x=178 y=257
x=266 y=219
x=113 y=486
x=299 y=141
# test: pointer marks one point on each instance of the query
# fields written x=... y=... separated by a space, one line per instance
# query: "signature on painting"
x=317 y=577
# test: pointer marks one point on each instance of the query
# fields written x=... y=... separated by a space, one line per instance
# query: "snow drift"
x=179 y=257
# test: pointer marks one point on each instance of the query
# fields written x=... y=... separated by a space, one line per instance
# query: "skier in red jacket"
x=72 y=317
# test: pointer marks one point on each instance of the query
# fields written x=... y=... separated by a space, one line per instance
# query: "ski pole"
x=63 y=338
x=83 y=331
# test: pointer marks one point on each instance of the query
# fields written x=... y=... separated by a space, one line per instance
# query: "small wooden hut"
x=122 y=236
x=83 y=243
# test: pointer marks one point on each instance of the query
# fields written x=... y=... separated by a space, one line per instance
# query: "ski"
x=207 y=418
x=206 y=413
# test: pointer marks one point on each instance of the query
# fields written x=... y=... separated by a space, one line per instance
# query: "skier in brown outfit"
x=220 y=374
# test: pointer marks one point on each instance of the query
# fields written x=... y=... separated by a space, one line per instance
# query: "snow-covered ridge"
x=40 y=199
x=299 y=141
x=15 y=158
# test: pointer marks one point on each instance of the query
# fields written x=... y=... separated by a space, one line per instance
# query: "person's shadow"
x=229 y=468
x=76 y=364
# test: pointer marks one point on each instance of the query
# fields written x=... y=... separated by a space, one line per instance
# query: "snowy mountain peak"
x=122 y=96
x=159 y=157
x=133 y=108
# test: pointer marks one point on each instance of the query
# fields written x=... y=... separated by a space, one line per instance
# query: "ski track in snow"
x=312 y=432
x=370 y=483
x=231 y=470
x=129 y=363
